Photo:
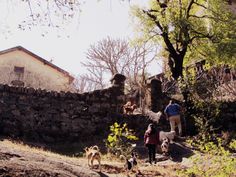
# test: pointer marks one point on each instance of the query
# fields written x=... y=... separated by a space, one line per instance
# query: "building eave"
x=20 y=48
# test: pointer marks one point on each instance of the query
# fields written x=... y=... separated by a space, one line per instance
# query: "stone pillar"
x=156 y=95
x=118 y=81
x=118 y=94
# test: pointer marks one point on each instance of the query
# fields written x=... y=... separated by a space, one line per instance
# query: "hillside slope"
x=19 y=160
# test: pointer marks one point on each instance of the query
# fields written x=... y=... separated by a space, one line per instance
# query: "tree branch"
x=208 y=17
x=199 y=35
x=201 y=5
x=164 y=33
x=189 y=8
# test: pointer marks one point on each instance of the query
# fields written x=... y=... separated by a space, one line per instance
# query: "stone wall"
x=228 y=116
x=57 y=117
x=42 y=116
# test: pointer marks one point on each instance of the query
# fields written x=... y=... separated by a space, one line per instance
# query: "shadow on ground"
x=102 y=174
x=178 y=151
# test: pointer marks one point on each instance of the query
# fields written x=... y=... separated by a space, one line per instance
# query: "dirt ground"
x=18 y=160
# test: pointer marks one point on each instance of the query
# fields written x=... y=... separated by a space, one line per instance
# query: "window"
x=19 y=70
x=19 y=73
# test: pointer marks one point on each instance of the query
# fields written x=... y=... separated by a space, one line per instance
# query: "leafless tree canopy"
x=49 y=13
x=82 y=84
x=110 y=56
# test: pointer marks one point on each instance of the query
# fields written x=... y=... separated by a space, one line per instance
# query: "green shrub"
x=119 y=141
x=232 y=145
x=213 y=160
x=207 y=119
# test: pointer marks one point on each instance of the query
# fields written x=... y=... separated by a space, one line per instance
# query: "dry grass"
x=24 y=147
x=20 y=146
x=16 y=158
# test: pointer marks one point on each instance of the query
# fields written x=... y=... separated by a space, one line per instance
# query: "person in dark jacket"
x=151 y=139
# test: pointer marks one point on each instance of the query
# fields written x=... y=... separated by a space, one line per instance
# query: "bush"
x=120 y=140
x=213 y=160
x=207 y=117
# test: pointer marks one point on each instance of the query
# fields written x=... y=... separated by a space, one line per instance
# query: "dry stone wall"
x=42 y=116
x=58 y=117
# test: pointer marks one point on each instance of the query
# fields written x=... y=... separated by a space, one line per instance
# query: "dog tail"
x=94 y=154
x=95 y=147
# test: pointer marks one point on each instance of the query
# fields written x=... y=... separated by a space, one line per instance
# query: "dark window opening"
x=19 y=73
x=19 y=69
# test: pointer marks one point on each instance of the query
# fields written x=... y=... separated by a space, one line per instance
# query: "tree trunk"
x=176 y=65
x=176 y=57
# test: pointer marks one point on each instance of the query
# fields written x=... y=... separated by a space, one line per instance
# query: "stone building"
x=20 y=67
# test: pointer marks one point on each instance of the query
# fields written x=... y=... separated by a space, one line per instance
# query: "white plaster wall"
x=36 y=73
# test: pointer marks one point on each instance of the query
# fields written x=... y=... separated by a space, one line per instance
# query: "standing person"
x=172 y=112
x=151 y=139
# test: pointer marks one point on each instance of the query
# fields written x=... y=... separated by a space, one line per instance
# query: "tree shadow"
x=102 y=174
x=109 y=169
x=178 y=151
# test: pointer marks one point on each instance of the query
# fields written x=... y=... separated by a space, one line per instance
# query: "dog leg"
x=99 y=158
x=88 y=162
x=99 y=162
x=127 y=173
x=92 y=163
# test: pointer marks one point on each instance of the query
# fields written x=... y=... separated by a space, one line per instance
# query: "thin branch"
x=154 y=19
x=208 y=17
x=199 y=35
x=201 y=5
x=31 y=12
x=189 y=8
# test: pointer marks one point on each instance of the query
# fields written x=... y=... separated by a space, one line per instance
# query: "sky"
x=67 y=47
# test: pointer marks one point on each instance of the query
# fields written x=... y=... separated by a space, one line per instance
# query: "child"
x=151 y=139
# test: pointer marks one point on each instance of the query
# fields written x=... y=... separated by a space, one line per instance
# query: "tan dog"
x=93 y=153
x=129 y=108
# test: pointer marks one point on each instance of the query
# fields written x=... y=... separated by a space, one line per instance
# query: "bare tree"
x=111 y=56
x=141 y=56
x=87 y=83
x=44 y=13
x=108 y=54
x=47 y=13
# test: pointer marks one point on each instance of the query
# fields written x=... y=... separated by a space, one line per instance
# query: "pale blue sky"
x=96 y=21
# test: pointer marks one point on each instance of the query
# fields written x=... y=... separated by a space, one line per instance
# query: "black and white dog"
x=132 y=162
x=165 y=146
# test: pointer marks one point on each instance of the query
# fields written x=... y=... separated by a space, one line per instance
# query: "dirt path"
x=17 y=160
